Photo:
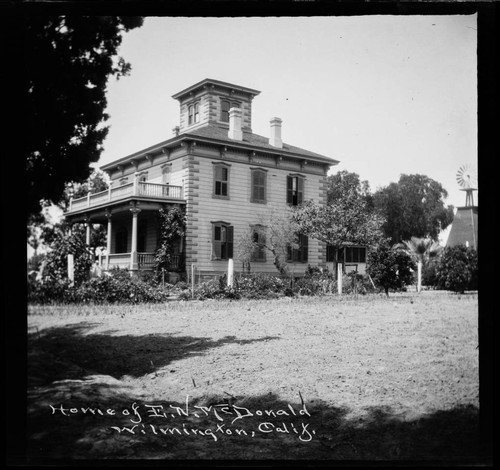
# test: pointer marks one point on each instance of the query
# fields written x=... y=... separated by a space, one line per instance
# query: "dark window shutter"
x=216 y=241
x=300 y=190
x=362 y=258
x=229 y=241
x=289 y=190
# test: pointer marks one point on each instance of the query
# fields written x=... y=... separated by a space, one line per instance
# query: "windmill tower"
x=467 y=181
x=464 y=227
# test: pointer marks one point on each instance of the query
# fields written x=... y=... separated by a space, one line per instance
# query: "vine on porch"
x=172 y=228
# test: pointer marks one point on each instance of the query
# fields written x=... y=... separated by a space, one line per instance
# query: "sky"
x=385 y=95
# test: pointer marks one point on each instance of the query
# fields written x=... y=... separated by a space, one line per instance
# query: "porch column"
x=133 y=255
x=87 y=234
x=108 y=240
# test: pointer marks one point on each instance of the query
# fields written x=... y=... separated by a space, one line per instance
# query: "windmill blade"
x=466 y=177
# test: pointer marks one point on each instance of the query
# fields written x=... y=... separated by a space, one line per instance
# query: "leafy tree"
x=345 y=220
x=458 y=269
x=42 y=230
x=245 y=248
x=345 y=182
x=414 y=206
x=172 y=228
x=281 y=235
x=390 y=268
x=68 y=60
x=422 y=250
x=56 y=268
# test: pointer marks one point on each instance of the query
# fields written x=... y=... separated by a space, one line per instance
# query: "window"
x=143 y=177
x=294 y=190
x=193 y=113
x=225 y=106
x=299 y=254
x=221 y=181
x=222 y=240
x=165 y=174
x=355 y=255
x=352 y=254
x=258 y=186
x=259 y=240
x=121 y=240
x=330 y=253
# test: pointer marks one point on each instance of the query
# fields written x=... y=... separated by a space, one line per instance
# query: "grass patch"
x=381 y=378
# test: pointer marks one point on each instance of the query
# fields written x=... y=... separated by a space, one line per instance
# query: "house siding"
x=238 y=210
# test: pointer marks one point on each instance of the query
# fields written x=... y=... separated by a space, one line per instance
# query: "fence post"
x=192 y=280
x=339 y=278
x=230 y=272
x=71 y=269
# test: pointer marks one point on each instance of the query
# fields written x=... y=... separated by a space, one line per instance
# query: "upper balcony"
x=137 y=189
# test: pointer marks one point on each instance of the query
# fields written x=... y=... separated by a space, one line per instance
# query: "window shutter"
x=216 y=241
x=289 y=190
x=300 y=190
x=229 y=241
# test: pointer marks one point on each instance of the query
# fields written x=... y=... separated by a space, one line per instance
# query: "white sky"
x=383 y=94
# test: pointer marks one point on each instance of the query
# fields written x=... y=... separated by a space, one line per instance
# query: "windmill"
x=467 y=181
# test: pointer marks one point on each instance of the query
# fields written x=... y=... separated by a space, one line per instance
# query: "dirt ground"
x=372 y=378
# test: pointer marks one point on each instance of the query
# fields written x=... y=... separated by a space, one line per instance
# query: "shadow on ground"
x=109 y=422
x=71 y=353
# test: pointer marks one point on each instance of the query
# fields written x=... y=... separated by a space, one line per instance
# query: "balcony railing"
x=141 y=189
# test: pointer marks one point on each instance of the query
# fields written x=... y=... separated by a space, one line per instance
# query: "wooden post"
x=71 y=269
x=192 y=280
x=133 y=255
x=339 y=278
x=230 y=272
x=108 y=240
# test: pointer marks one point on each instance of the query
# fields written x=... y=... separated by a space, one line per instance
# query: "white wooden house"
x=215 y=168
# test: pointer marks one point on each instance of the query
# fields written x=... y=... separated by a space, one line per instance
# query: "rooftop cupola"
x=210 y=102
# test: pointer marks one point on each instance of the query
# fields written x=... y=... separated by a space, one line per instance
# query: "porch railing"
x=141 y=189
x=144 y=260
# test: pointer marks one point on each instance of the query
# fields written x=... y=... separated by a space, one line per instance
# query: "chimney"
x=275 y=139
x=176 y=130
x=235 y=131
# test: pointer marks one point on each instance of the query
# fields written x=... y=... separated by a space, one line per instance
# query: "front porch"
x=130 y=215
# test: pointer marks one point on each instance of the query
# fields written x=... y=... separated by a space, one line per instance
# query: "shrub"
x=117 y=287
x=458 y=269
x=429 y=273
x=314 y=282
x=355 y=283
x=390 y=268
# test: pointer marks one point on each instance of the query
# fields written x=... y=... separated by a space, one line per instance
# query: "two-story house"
x=223 y=175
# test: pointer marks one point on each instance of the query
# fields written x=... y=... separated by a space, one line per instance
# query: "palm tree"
x=421 y=249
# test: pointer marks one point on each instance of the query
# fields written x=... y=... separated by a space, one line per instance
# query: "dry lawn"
x=355 y=379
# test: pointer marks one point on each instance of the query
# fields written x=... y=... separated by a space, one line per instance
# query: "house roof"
x=211 y=133
x=210 y=81
x=217 y=133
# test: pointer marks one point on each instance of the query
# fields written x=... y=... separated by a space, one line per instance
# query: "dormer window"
x=193 y=113
x=225 y=106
